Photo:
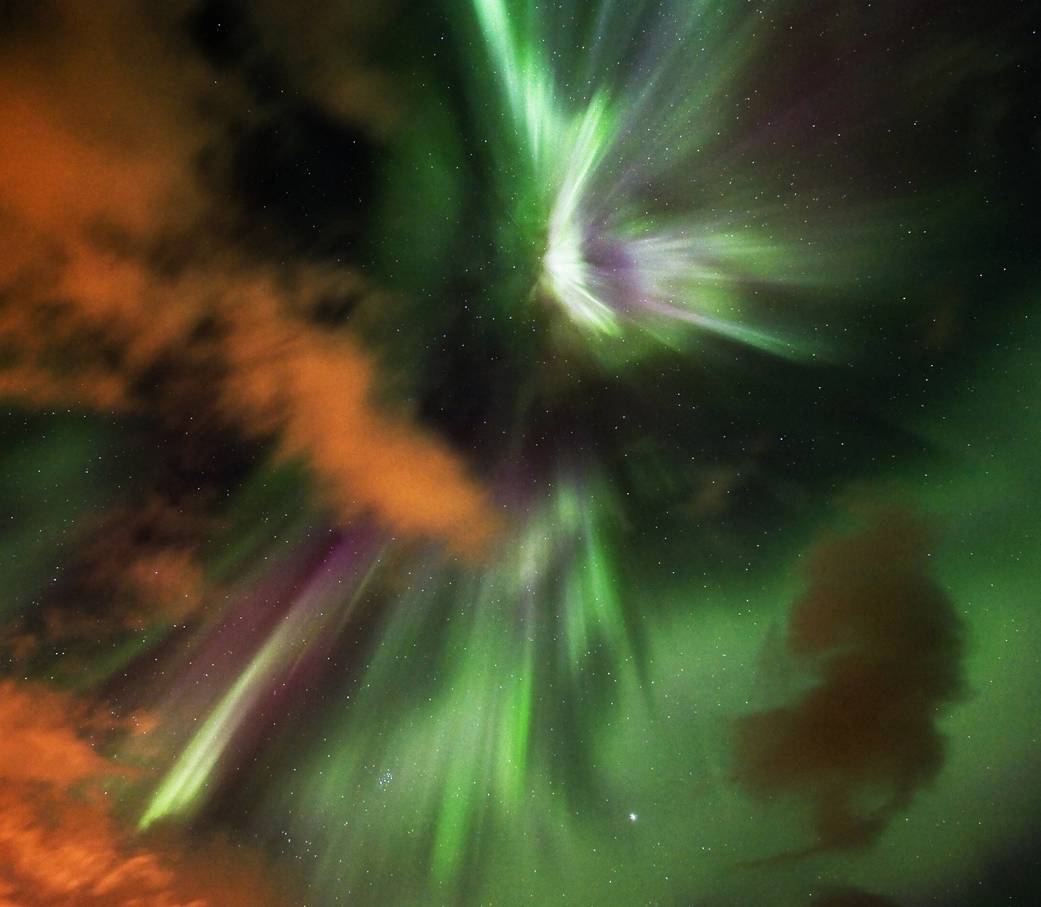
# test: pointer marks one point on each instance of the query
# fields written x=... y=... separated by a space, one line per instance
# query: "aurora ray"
x=304 y=633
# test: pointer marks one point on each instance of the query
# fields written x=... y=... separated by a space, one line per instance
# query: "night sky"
x=499 y=452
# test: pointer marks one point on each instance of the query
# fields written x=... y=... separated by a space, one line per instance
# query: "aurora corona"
x=516 y=452
x=615 y=258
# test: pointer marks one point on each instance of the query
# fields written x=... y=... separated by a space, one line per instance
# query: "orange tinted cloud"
x=96 y=170
x=315 y=390
x=270 y=374
x=60 y=847
x=38 y=741
x=55 y=178
x=60 y=851
x=883 y=645
x=92 y=145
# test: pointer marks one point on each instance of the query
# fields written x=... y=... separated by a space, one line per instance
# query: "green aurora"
x=690 y=292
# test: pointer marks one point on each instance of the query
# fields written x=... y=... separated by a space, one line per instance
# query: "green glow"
x=472 y=814
x=478 y=730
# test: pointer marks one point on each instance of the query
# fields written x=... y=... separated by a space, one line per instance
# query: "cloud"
x=137 y=565
x=315 y=391
x=98 y=182
x=100 y=119
x=325 y=53
x=883 y=646
x=98 y=149
x=37 y=740
x=58 y=843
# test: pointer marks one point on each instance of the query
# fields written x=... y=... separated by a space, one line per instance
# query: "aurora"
x=513 y=451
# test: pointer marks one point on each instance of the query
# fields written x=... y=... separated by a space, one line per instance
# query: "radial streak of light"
x=314 y=618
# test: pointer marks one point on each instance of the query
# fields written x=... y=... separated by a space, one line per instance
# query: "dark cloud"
x=883 y=646
x=327 y=55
